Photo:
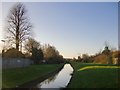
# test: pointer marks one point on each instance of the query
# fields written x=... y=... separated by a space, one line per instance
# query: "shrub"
x=101 y=59
x=13 y=53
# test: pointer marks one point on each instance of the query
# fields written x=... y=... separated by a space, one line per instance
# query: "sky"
x=74 y=28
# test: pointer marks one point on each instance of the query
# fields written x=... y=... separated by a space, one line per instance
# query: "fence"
x=15 y=63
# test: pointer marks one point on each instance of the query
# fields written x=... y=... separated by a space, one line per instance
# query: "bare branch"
x=19 y=26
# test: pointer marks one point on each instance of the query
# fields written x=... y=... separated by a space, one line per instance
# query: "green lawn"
x=0 y=78
x=18 y=76
x=94 y=77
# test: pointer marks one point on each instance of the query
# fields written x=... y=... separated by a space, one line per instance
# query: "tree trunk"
x=17 y=36
x=17 y=42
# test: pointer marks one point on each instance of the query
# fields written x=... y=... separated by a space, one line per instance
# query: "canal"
x=59 y=80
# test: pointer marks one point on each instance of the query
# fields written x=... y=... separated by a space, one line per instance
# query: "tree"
x=33 y=47
x=101 y=59
x=41 y=55
x=79 y=59
x=116 y=54
x=108 y=53
x=31 y=43
x=18 y=25
x=37 y=55
x=52 y=55
x=51 y=52
x=85 y=57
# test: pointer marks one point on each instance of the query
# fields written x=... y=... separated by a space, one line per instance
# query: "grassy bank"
x=94 y=76
x=19 y=76
x=0 y=78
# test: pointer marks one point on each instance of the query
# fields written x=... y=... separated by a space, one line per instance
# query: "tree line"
x=107 y=56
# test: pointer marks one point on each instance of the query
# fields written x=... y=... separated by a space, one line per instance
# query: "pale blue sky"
x=73 y=28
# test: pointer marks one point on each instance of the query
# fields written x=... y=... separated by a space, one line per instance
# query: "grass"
x=18 y=76
x=0 y=78
x=94 y=76
x=94 y=67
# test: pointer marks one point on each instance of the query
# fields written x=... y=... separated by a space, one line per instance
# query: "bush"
x=101 y=59
x=13 y=53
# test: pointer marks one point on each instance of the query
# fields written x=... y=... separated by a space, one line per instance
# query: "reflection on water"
x=60 y=80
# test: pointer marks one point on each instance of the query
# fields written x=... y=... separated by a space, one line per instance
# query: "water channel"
x=60 y=80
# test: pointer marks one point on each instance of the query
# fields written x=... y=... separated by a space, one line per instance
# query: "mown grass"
x=94 y=77
x=15 y=77
x=0 y=78
x=95 y=67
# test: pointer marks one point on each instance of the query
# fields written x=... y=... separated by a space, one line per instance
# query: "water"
x=60 y=80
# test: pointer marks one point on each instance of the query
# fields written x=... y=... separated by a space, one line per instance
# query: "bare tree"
x=18 y=25
x=31 y=43
x=50 y=51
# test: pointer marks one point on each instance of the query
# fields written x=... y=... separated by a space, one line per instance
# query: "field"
x=15 y=77
x=85 y=75
x=94 y=76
